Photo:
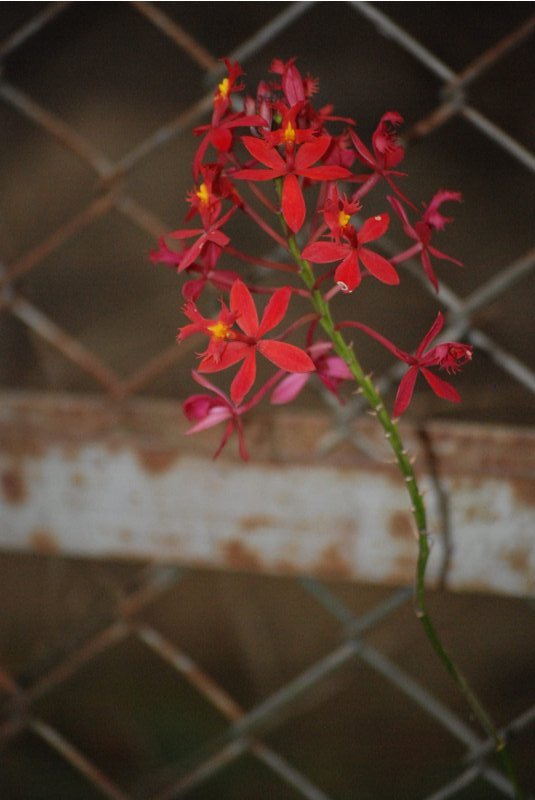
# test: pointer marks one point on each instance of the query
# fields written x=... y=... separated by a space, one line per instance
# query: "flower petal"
x=441 y=388
x=310 y=152
x=221 y=139
x=245 y=378
x=214 y=416
x=242 y=303
x=293 y=203
x=326 y=173
x=373 y=228
x=379 y=267
x=431 y=334
x=288 y=389
x=440 y=254
x=428 y=269
x=232 y=353
x=275 y=310
x=347 y=274
x=363 y=153
x=405 y=391
x=325 y=252
x=286 y=356
x=264 y=153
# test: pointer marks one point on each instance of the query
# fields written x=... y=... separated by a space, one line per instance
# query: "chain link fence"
x=128 y=680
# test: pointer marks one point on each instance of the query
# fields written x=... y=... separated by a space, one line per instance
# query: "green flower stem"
x=369 y=391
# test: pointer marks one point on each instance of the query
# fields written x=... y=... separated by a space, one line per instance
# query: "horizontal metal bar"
x=91 y=478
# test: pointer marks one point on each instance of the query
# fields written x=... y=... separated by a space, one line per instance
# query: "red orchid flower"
x=204 y=264
x=350 y=252
x=422 y=231
x=219 y=134
x=449 y=356
x=209 y=234
x=228 y=346
x=337 y=211
x=222 y=95
x=297 y=162
x=204 y=201
x=164 y=255
x=289 y=134
x=387 y=153
x=330 y=369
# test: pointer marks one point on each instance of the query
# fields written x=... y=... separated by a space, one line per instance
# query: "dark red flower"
x=449 y=356
x=387 y=153
x=421 y=232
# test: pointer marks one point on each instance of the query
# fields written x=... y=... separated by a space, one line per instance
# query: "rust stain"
x=255 y=521
x=156 y=460
x=13 y=486
x=480 y=513
x=331 y=563
x=400 y=526
x=44 y=542
x=524 y=491
x=78 y=479
x=238 y=555
x=518 y=559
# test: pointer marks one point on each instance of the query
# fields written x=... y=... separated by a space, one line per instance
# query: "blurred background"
x=137 y=674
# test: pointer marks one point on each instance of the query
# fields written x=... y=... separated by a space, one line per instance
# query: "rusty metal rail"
x=72 y=465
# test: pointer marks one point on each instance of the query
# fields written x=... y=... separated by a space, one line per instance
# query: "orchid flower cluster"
x=319 y=181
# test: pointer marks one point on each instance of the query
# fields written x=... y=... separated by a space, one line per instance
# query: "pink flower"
x=207 y=410
x=330 y=369
x=351 y=252
x=228 y=346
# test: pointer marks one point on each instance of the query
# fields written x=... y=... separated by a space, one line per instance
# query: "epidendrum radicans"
x=274 y=160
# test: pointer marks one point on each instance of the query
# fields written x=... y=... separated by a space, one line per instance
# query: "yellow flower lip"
x=224 y=87
x=203 y=194
x=289 y=134
x=343 y=219
x=219 y=330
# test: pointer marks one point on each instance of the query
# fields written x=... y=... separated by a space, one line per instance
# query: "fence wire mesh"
x=111 y=207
